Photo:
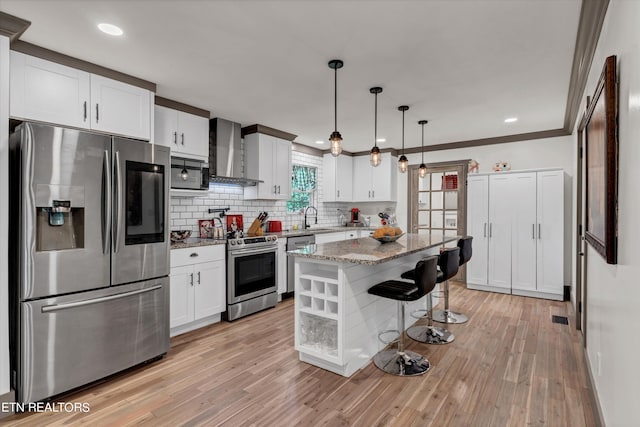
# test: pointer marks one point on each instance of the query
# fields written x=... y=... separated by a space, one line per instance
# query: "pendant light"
x=375 y=157
x=184 y=173
x=423 y=167
x=335 y=139
x=403 y=163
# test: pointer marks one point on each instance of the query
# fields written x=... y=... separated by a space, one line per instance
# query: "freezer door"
x=62 y=177
x=141 y=180
x=70 y=341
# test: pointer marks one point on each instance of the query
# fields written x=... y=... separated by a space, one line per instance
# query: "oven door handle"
x=253 y=251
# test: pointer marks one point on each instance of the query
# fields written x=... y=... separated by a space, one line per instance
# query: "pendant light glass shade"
x=335 y=139
x=375 y=157
x=403 y=162
x=184 y=173
x=423 y=168
x=336 y=143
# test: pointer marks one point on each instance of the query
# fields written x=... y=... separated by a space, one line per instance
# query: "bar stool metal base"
x=404 y=364
x=430 y=334
x=447 y=316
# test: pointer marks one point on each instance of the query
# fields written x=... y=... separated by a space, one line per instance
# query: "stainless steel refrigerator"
x=90 y=259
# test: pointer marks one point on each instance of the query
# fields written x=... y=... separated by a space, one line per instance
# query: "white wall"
x=613 y=297
x=4 y=227
x=536 y=154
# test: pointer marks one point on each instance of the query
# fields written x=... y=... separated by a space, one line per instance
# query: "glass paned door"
x=437 y=201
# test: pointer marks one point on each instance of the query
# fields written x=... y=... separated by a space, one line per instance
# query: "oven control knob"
x=232 y=242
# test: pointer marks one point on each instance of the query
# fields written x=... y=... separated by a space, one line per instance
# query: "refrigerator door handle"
x=106 y=225
x=118 y=207
x=58 y=307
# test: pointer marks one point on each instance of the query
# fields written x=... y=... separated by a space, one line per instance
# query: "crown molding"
x=12 y=26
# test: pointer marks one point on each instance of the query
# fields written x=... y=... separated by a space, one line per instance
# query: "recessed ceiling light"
x=381 y=140
x=511 y=120
x=110 y=29
x=319 y=142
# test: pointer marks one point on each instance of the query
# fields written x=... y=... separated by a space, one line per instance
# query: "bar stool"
x=448 y=271
x=400 y=361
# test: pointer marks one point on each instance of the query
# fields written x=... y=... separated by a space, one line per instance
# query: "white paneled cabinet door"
x=477 y=225
x=523 y=240
x=344 y=178
x=48 y=92
x=209 y=289
x=330 y=192
x=282 y=168
x=550 y=232
x=120 y=108
x=181 y=296
x=192 y=135
x=165 y=127
x=361 y=179
x=499 y=230
x=383 y=179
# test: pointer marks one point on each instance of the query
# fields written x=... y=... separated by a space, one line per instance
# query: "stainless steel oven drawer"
x=70 y=341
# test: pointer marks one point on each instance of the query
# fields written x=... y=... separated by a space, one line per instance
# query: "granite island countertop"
x=366 y=250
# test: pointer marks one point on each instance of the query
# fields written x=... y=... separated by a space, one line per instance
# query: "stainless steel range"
x=251 y=275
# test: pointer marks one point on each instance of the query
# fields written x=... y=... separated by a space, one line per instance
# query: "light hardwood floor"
x=509 y=366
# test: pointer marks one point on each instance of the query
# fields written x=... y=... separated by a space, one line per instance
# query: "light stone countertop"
x=369 y=251
x=197 y=241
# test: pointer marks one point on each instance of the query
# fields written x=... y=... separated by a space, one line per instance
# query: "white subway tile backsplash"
x=185 y=212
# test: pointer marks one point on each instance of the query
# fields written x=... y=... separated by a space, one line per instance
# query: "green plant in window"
x=303 y=187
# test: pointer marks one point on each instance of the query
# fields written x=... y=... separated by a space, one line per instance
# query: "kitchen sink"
x=355 y=224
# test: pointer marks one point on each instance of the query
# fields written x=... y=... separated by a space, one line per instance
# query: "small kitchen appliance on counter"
x=274 y=226
x=355 y=215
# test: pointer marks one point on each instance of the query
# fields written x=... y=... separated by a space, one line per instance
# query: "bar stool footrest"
x=389 y=331
x=442 y=316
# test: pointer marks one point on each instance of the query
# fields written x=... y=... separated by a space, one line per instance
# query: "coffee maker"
x=355 y=215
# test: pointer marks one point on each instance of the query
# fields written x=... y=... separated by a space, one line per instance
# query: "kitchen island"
x=336 y=321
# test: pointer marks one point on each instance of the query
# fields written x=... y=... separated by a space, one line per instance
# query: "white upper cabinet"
x=187 y=134
x=550 y=232
x=374 y=184
x=48 y=92
x=477 y=225
x=267 y=159
x=120 y=108
x=337 y=178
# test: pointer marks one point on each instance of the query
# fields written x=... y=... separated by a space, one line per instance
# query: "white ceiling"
x=463 y=65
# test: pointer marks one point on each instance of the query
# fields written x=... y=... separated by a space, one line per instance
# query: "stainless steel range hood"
x=226 y=157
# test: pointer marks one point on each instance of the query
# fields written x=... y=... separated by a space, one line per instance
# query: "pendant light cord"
x=422 y=150
x=403 y=132
x=375 y=122
x=335 y=98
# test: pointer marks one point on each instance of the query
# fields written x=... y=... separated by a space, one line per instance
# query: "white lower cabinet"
x=198 y=287
x=517 y=223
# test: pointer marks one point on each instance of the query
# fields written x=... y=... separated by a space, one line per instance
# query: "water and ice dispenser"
x=59 y=217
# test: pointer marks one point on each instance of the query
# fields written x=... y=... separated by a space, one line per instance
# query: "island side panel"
x=360 y=316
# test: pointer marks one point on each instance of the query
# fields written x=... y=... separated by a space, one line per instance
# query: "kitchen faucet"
x=305 y=216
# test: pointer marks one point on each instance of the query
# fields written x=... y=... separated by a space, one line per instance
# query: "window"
x=303 y=188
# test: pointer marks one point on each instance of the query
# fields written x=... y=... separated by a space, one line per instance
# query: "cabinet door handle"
x=85 y=111
x=373 y=194
x=175 y=138
x=484 y=229
x=533 y=231
x=337 y=193
x=193 y=255
x=490 y=229
x=182 y=135
x=369 y=193
x=191 y=279
x=539 y=231
x=274 y=189
x=198 y=277
x=97 y=113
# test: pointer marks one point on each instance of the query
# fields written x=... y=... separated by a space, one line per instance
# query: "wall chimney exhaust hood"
x=226 y=162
